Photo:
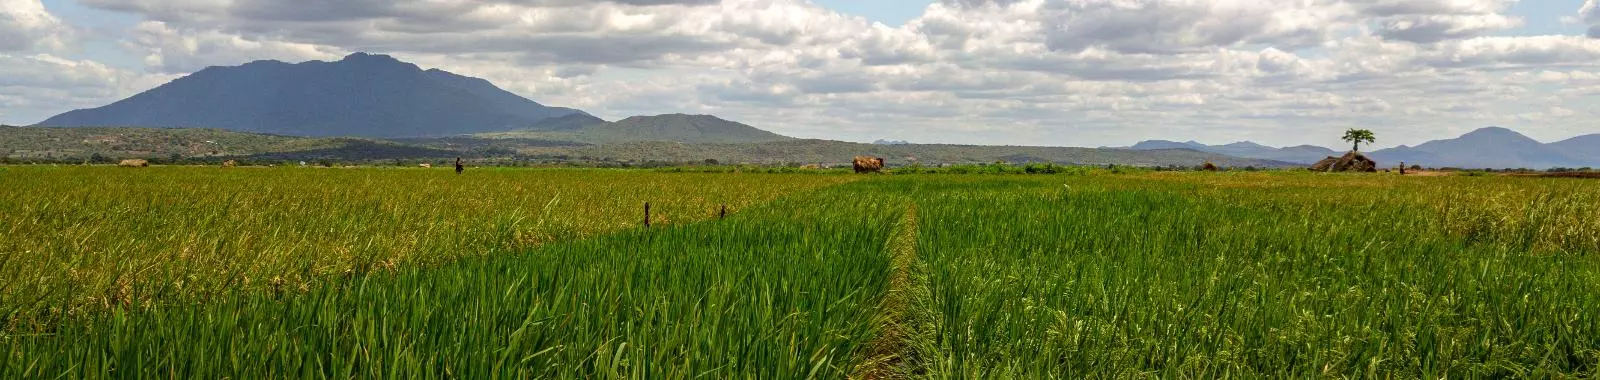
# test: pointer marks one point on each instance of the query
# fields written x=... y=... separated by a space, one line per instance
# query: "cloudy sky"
x=1020 y=72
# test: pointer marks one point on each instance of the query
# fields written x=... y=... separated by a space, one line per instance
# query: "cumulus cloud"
x=1435 y=28
x=1087 y=72
x=1161 y=26
x=25 y=25
x=1590 y=14
x=33 y=87
x=172 y=50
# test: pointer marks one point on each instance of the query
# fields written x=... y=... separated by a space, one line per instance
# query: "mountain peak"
x=1494 y=132
x=681 y=128
x=360 y=56
x=1247 y=144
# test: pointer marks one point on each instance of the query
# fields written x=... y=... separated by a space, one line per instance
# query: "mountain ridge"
x=1487 y=147
x=675 y=128
x=366 y=95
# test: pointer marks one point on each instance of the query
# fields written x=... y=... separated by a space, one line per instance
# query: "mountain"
x=1491 y=147
x=571 y=122
x=360 y=95
x=1164 y=144
x=1584 y=148
x=675 y=128
x=680 y=128
x=839 y=153
x=1304 y=154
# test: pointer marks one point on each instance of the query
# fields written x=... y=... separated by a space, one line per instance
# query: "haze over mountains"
x=1491 y=147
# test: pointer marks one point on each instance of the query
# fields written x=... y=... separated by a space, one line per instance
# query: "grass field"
x=210 y=273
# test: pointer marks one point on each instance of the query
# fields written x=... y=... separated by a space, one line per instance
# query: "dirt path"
x=894 y=354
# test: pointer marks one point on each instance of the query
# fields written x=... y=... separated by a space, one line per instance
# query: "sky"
x=1000 y=72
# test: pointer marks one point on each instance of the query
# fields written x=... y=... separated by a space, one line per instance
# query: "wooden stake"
x=647 y=215
x=724 y=213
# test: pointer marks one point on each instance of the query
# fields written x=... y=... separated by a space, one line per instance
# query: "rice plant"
x=786 y=290
x=1273 y=275
x=404 y=273
x=81 y=240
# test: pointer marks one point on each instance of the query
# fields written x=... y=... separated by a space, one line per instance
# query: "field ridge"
x=895 y=353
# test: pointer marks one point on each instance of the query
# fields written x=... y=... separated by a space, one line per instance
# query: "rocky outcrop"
x=1350 y=162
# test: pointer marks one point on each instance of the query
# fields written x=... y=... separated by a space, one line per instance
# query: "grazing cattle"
x=229 y=164
x=133 y=163
x=425 y=166
x=1210 y=167
x=868 y=164
x=459 y=168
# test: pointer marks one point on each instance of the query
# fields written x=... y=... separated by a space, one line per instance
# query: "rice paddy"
x=387 y=273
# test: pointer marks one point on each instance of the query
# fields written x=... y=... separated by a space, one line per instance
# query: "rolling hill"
x=677 y=128
x=361 y=95
x=1303 y=154
x=76 y=144
x=839 y=153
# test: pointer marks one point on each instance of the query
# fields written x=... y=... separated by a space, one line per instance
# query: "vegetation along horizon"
x=983 y=271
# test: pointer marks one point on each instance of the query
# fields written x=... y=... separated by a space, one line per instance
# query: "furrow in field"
x=894 y=353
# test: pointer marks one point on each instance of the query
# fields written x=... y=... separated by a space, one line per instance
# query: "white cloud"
x=177 y=51
x=34 y=87
x=1084 y=72
x=25 y=25
x=1590 y=13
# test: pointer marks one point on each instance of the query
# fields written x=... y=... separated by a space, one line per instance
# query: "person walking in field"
x=459 y=168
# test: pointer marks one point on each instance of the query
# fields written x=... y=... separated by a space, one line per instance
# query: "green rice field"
x=189 y=272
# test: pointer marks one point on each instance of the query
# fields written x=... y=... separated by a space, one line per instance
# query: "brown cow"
x=230 y=163
x=868 y=164
x=133 y=163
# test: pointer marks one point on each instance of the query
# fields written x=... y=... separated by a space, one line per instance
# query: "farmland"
x=298 y=272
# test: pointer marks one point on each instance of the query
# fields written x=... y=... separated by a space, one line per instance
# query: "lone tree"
x=1358 y=136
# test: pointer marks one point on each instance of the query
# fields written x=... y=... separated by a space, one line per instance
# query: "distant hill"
x=1491 y=147
x=1584 y=148
x=79 y=143
x=361 y=95
x=1164 y=144
x=678 y=128
x=839 y=153
x=891 y=142
x=1304 y=154
x=567 y=123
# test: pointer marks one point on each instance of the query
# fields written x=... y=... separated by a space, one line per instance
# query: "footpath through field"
x=894 y=351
